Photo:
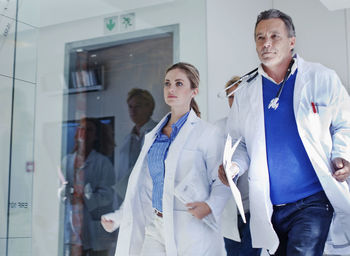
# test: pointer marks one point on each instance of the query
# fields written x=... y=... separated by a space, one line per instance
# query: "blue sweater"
x=292 y=176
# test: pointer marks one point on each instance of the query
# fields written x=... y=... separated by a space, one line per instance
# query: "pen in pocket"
x=314 y=107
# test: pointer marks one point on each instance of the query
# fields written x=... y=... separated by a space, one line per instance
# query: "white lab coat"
x=325 y=135
x=229 y=219
x=194 y=156
x=99 y=176
x=123 y=170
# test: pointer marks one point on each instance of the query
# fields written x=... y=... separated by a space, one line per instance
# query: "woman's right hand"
x=108 y=225
x=232 y=172
x=222 y=175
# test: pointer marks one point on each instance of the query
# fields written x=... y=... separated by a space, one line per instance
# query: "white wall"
x=215 y=35
x=190 y=15
x=322 y=36
x=231 y=48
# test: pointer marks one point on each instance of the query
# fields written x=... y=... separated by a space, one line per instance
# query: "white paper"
x=231 y=172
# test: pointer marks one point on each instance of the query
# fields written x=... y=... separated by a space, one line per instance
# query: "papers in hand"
x=231 y=171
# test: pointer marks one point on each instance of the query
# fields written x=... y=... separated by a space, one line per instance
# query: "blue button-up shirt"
x=156 y=157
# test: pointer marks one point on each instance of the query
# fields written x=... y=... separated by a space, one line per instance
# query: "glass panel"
x=22 y=169
x=5 y=128
x=19 y=246
x=7 y=39
x=29 y=12
x=2 y=246
x=95 y=119
x=8 y=8
x=26 y=52
x=72 y=124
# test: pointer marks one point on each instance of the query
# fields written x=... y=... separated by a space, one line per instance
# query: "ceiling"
x=60 y=11
x=333 y=5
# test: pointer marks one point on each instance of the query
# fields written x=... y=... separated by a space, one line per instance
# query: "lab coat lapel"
x=257 y=131
x=88 y=175
x=258 y=170
x=300 y=84
x=141 y=160
x=70 y=167
x=171 y=163
x=181 y=138
x=151 y=136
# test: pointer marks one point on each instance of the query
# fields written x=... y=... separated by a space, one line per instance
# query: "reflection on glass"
x=87 y=189
x=140 y=105
x=99 y=76
x=85 y=72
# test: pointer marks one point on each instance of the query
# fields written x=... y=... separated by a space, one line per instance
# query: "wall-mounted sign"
x=110 y=25
x=121 y=23
x=127 y=22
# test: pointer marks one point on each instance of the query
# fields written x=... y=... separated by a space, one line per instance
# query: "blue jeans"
x=302 y=226
x=243 y=248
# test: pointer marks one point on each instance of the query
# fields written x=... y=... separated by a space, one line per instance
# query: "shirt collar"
x=144 y=128
x=175 y=126
x=147 y=126
x=264 y=74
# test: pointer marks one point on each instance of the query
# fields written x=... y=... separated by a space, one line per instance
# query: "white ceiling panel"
x=333 y=5
x=60 y=11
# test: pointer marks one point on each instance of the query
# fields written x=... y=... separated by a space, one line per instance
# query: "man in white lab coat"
x=236 y=233
x=140 y=105
x=294 y=118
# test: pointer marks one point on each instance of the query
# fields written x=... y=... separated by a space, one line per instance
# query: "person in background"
x=87 y=191
x=242 y=244
x=141 y=105
x=294 y=118
x=174 y=198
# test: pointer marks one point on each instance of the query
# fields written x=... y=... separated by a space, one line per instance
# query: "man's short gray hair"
x=274 y=13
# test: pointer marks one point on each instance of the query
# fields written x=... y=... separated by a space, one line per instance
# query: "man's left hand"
x=341 y=169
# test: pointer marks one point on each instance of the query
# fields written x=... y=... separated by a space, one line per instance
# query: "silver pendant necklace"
x=274 y=102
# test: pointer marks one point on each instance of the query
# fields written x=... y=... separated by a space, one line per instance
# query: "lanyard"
x=274 y=102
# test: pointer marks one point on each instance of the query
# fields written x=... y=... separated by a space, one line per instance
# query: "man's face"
x=272 y=42
x=139 y=110
x=231 y=97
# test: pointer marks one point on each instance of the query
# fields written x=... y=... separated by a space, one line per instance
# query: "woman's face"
x=177 y=89
x=86 y=132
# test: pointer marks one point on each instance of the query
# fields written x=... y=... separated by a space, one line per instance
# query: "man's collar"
x=264 y=74
x=144 y=128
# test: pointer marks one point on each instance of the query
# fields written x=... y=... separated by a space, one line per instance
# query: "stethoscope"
x=249 y=77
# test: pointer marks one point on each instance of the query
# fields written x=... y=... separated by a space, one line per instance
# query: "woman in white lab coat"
x=177 y=210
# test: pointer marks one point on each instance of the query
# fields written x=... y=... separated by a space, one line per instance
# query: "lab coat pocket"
x=320 y=123
x=192 y=188
x=188 y=161
x=325 y=116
